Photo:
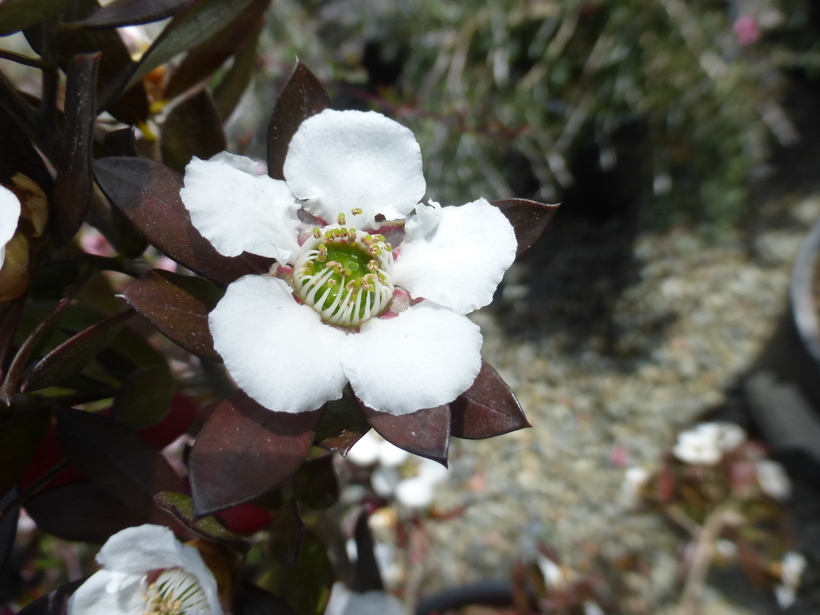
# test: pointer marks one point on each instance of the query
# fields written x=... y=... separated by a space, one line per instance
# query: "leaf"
x=192 y=128
x=192 y=26
x=147 y=192
x=245 y=450
x=247 y=518
x=529 y=219
x=132 y=12
x=368 y=578
x=9 y=319
x=20 y=436
x=201 y=61
x=425 y=433
x=315 y=483
x=144 y=398
x=181 y=507
x=184 y=411
x=488 y=408
x=72 y=187
x=342 y=425
x=8 y=527
x=120 y=142
x=115 y=459
x=83 y=512
x=229 y=91
x=73 y=355
x=302 y=97
x=16 y=15
x=177 y=314
x=252 y=600
x=287 y=534
x=18 y=155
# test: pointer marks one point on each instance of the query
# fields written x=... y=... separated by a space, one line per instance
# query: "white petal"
x=278 y=351
x=424 y=357
x=460 y=263
x=423 y=222
x=93 y=597
x=9 y=215
x=341 y=160
x=239 y=211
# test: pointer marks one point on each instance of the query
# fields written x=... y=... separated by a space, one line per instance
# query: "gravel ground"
x=613 y=341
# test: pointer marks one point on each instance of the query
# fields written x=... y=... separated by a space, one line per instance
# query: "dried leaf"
x=147 y=192
x=302 y=97
x=488 y=408
x=72 y=187
x=425 y=433
x=529 y=219
x=192 y=128
x=245 y=450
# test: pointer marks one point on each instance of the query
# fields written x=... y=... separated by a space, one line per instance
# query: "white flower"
x=9 y=216
x=147 y=571
x=705 y=443
x=773 y=479
x=293 y=340
x=372 y=448
x=346 y=602
x=791 y=573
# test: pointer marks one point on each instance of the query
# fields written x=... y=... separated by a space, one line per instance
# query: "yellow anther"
x=356 y=211
x=317 y=232
x=340 y=219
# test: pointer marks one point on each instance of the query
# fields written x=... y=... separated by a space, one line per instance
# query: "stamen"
x=356 y=211
x=340 y=219
x=175 y=592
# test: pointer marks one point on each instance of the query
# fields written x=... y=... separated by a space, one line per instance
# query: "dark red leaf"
x=315 y=483
x=245 y=519
x=8 y=527
x=132 y=12
x=9 y=319
x=180 y=506
x=116 y=459
x=192 y=128
x=342 y=425
x=204 y=59
x=252 y=600
x=529 y=219
x=425 y=433
x=245 y=450
x=302 y=97
x=488 y=408
x=82 y=511
x=72 y=187
x=230 y=89
x=18 y=155
x=368 y=578
x=184 y=411
x=144 y=398
x=147 y=192
x=16 y=15
x=21 y=434
x=126 y=239
x=73 y=355
x=120 y=142
x=177 y=314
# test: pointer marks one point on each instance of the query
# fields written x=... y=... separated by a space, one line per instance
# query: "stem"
x=47 y=113
x=19 y=58
x=35 y=488
x=104 y=263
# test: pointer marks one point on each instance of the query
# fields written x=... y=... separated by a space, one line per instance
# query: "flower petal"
x=138 y=550
x=93 y=597
x=341 y=160
x=9 y=215
x=239 y=211
x=459 y=263
x=278 y=351
x=424 y=357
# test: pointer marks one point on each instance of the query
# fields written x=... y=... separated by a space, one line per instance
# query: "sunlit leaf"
x=182 y=508
x=425 y=432
x=488 y=408
x=245 y=450
x=178 y=314
x=302 y=97
x=192 y=128
x=529 y=219
x=72 y=187
x=147 y=192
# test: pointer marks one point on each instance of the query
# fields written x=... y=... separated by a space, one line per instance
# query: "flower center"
x=344 y=276
x=175 y=592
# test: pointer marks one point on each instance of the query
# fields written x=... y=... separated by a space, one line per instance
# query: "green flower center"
x=345 y=277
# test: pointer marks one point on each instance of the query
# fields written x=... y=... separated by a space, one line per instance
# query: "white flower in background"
x=372 y=448
x=635 y=478
x=147 y=571
x=705 y=443
x=349 y=308
x=773 y=479
x=9 y=216
x=791 y=572
x=346 y=602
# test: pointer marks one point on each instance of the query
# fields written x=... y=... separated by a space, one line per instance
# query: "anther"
x=356 y=211
x=340 y=219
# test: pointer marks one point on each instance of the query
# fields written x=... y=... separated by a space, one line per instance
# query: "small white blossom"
x=372 y=448
x=346 y=602
x=9 y=216
x=705 y=443
x=791 y=572
x=773 y=479
x=345 y=304
x=147 y=571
